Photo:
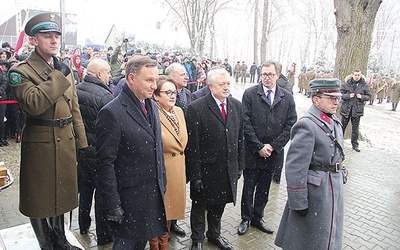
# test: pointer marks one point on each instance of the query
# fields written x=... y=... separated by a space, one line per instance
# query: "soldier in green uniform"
x=45 y=90
x=395 y=94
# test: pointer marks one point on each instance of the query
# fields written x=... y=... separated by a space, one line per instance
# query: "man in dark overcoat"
x=130 y=169
x=214 y=157
x=355 y=93
x=45 y=90
x=93 y=94
x=269 y=113
x=313 y=215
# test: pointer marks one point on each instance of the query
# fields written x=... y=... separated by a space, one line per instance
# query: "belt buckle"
x=62 y=122
x=337 y=167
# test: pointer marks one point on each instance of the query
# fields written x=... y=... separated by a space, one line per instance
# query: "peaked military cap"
x=327 y=86
x=43 y=23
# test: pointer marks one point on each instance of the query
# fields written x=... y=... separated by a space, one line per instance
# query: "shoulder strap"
x=326 y=130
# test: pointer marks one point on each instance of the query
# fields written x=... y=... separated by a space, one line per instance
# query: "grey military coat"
x=321 y=192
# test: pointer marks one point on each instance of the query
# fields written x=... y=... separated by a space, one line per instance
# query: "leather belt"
x=332 y=168
x=60 y=122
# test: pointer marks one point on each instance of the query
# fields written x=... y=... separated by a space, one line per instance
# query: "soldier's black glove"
x=62 y=67
x=197 y=185
x=303 y=212
x=115 y=214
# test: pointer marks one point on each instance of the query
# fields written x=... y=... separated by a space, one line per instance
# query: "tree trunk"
x=264 y=39
x=355 y=23
x=255 y=32
x=212 y=37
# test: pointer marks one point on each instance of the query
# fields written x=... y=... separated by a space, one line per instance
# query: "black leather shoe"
x=356 y=149
x=221 y=243
x=243 y=227
x=197 y=246
x=177 y=229
x=262 y=226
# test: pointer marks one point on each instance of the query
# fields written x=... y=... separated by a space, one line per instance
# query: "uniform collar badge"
x=325 y=118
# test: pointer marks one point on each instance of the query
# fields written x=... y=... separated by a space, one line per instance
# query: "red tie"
x=223 y=112
x=144 y=108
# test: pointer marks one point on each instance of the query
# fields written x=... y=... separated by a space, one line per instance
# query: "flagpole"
x=62 y=15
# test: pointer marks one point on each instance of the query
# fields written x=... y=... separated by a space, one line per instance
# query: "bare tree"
x=264 y=39
x=255 y=31
x=196 y=16
x=354 y=22
x=384 y=34
x=316 y=15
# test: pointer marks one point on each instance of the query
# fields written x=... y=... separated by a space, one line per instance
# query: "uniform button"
x=181 y=153
x=227 y=130
x=58 y=139
x=173 y=154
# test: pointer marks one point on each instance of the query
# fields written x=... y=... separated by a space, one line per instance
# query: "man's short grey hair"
x=214 y=73
x=172 y=68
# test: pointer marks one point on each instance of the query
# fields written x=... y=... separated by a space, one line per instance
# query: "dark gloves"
x=303 y=212
x=197 y=185
x=62 y=67
x=115 y=214
x=80 y=153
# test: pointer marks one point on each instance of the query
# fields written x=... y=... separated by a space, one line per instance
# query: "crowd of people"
x=132 y=129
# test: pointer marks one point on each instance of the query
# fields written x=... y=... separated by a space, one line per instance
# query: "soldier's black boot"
x=43 y=233
x=60 y=240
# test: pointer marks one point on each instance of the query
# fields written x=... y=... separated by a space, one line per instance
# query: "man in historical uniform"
x=395 y=94
x=243 y=70
x=310 y=75
x=355 y=93
x=45 y=90
x=313 y=215
x=380 y=89
x=236 y=71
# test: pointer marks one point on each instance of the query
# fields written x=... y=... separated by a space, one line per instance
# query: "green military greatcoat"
x=48 y=175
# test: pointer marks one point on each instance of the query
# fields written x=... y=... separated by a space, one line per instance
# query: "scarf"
x=171 y=117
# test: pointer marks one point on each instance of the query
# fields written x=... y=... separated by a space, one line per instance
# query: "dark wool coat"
x=188 y=94
x=48 y=175
x=321 y=192
x=264 y=124
x=215 y=150
x=93 y=95
x=130 y=166
x=354 y=107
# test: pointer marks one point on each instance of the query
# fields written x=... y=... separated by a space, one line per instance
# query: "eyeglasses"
x=332 y=98
x=270 y=75
x=169 y=92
